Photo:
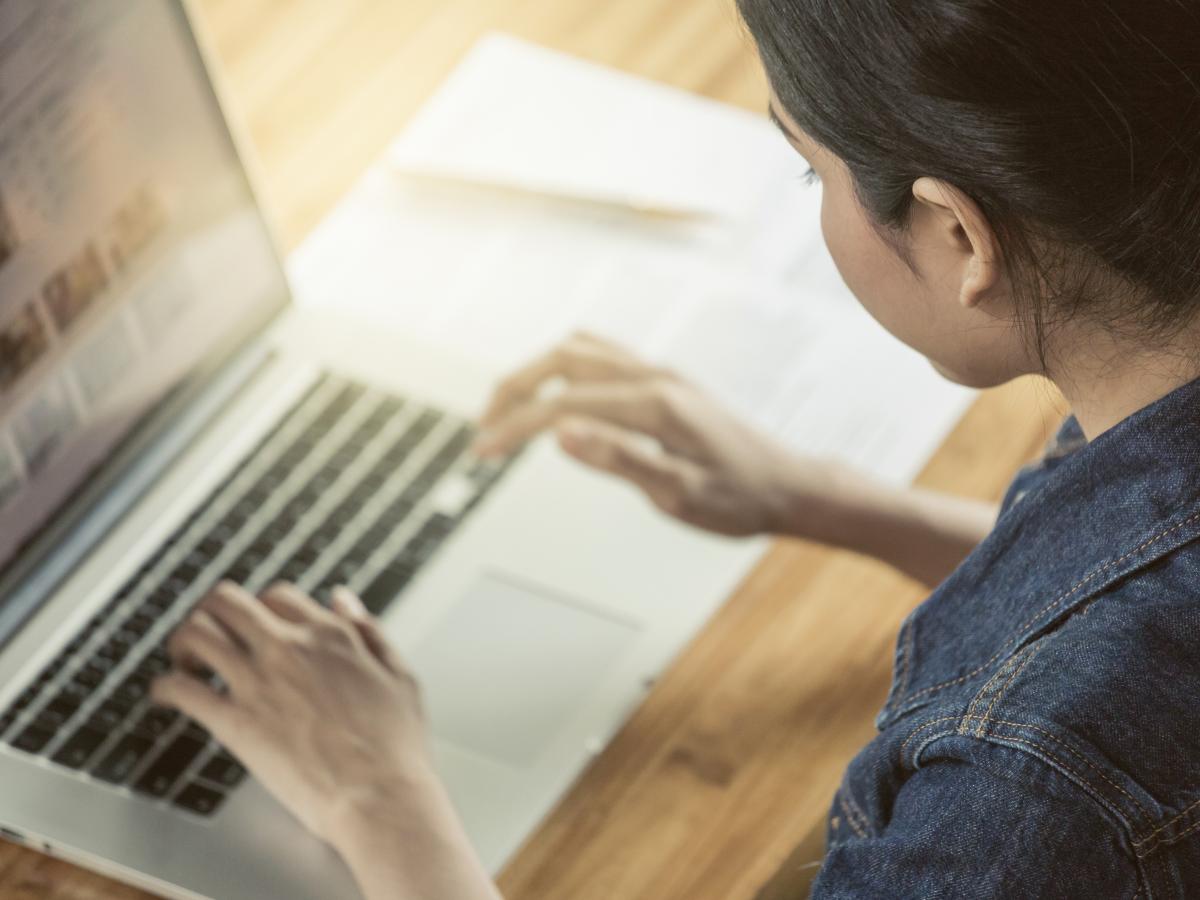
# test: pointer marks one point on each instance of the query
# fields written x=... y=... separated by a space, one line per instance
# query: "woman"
x=1009 y=188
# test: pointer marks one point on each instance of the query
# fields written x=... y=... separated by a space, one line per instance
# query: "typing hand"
x=325 y=715
x=691 y=457
x=317 y=706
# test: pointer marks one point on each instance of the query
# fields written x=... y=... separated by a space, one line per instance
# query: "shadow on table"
x=794 y=879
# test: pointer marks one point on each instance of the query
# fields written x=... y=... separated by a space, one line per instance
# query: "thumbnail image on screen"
x=8 y=233
x=69 y=292
x=23 y=341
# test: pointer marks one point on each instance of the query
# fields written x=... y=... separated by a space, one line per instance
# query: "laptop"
x=169 y=418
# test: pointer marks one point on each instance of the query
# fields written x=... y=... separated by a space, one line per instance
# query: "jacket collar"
x=1091 y=514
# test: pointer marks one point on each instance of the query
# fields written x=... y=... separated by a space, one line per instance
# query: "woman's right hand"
x=616 y=413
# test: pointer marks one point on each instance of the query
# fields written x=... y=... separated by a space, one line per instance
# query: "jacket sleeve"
x=959 y=830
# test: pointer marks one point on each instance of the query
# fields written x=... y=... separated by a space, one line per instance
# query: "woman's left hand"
x=317 y=704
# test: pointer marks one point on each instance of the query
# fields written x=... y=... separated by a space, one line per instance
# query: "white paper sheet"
x=752 y=307
x=584 y=131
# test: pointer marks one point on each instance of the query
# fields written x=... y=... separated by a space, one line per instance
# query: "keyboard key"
x=344 y=513
x=372 y=539
x=24 y=699
x=79 y=748
x=118 y=703
x=341 y=573
x=374 y=481
x=52 y=670
x=292 y=571
x=209 y=547
x=199 y=799
x=66 y=702
x=187 y=570
x=116 y=648
x=119 y=763
x=152 y=666
x=385 y=588
x=124 y=639
x=90 y=676
x=162 y=774
x=223 y=770
x=422 y=545
x=139 y=623
x=439 y=525
x=158 y=658
x=156 y=721
x=53 y=718
x=34 y=738
x=132 y=690
x=158 y=601
x=107 y=716
x=396 y=513
x=238 y=573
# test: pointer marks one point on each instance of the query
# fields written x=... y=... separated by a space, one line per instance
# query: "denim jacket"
x=1042 y=734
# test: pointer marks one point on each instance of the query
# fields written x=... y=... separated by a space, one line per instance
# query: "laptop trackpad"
x=509 y=663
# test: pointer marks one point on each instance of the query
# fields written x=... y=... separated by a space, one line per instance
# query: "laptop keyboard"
x=352 y=486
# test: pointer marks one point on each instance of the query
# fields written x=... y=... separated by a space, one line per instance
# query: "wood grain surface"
x=733 y=758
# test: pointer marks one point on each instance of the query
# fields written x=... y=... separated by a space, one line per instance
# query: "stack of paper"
x=536 y=194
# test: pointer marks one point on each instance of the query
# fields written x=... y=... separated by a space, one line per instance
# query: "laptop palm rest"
x=509 y=663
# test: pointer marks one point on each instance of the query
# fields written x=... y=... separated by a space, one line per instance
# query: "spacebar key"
x=162 y=774
x=386 y=586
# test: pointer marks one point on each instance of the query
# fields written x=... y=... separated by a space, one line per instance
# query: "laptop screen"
x=131 y=250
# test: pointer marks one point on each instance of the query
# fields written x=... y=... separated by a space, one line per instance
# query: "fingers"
x=239 y=612
x=634 y=406
x=347 y=605
x=667 y=480
x=201 y=642
x=583 y=357
x=195 y=699
x=290 y=603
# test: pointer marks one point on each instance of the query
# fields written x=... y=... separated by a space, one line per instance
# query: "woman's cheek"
x=880 y=280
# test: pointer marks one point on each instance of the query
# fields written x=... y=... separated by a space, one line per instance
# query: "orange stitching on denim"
x=1166 y=842
x=1168 y=823
x=1104 y=568
x=1052 y=737
x=922 y=727
x=1003 y=690
x=850 y=816
x=1050 y=754
x=1010 y=666
x=1076 y=753
x=863 y=819
x=970 y=714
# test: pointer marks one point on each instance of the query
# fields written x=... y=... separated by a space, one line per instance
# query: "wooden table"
x=735 y=755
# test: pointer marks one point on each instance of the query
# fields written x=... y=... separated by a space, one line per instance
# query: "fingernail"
x=575 y=434
x=347 y=599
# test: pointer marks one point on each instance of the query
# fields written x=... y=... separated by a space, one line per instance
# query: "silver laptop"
x=167 y=418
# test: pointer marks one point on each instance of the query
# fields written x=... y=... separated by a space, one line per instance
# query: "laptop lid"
x=134 y=260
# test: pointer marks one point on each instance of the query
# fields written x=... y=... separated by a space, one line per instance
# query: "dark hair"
x=1074 y=124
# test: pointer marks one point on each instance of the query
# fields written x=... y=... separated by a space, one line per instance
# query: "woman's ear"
x=956 y=222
